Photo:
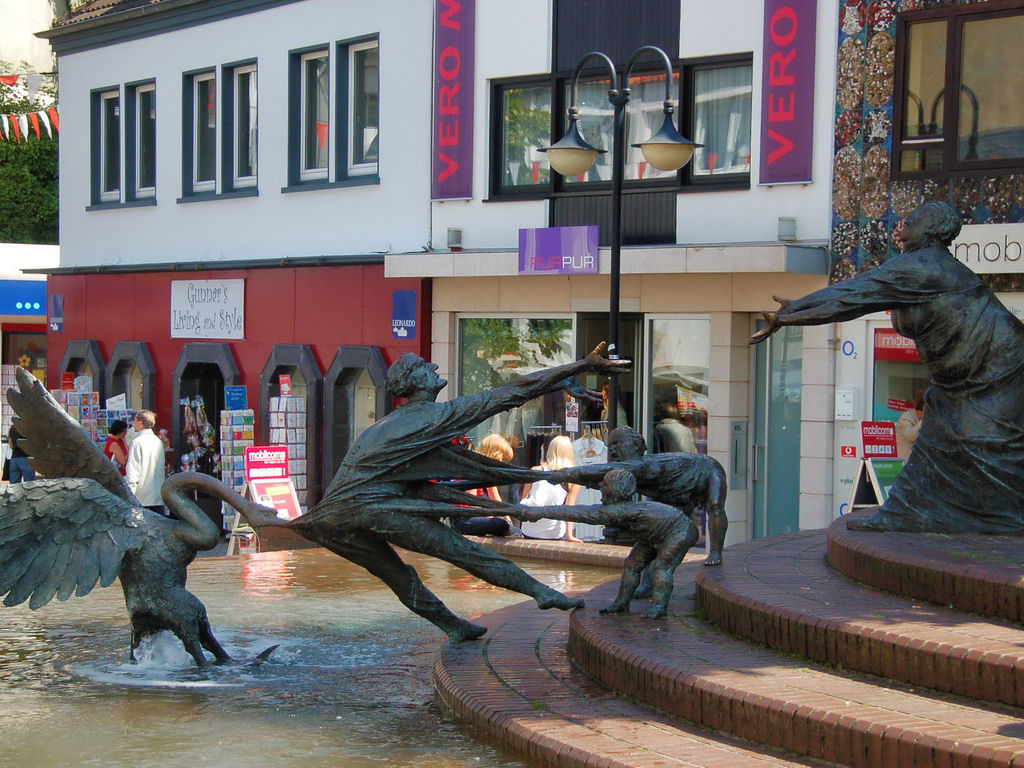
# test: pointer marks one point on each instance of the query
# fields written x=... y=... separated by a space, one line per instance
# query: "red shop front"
x=164 y=338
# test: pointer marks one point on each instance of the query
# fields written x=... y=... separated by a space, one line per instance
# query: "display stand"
x=874 y=479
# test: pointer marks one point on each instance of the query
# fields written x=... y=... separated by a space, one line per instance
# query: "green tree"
x=28 y=168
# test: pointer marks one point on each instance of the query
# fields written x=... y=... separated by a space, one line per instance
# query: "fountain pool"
x=349 y=686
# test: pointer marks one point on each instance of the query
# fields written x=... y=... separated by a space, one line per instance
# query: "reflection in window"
x=722 y=98
x=245 y=126
x=525 y=128
x=644 y=116
x=991 y=120
x=494 y=351
x=365 y=90
x=205 y=133
x=315 y=114
x=110 y=146
x=925 y=83
x=680 y=362
x=145 y=141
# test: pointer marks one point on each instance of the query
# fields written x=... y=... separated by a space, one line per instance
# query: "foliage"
x=496 y=349
x=28 y=169
x=526 y=127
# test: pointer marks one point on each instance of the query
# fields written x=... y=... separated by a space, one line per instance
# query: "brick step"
x=692 y=670
x=780 y=592
x=977 y=574
x=518 y=689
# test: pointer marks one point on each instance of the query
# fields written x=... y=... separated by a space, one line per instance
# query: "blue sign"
x=403 y=314
x=236 y=398
x=55 y=312
x=22 y=297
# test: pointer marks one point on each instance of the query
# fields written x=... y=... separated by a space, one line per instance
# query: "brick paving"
x=977 y=574
x=692 y=670
x=816 y=613
x=517 y=688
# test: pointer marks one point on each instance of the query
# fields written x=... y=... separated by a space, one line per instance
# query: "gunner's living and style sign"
x=208 y=309
x=451 y=172
x=787 y=91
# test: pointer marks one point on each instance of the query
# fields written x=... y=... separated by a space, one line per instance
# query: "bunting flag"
x=21 y=127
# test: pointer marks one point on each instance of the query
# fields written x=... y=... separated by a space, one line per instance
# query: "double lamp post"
x=573 y=155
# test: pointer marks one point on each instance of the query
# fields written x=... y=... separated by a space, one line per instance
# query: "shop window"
x=82 y=358
x=898 y=375
x=199 y=139
x=592 y=330
x=24 y=348
x=679 y=371
x=495 y=350
x=958 y=107
x=334 y=95
x=130 y=371
x=291 y=388
x=355 y=396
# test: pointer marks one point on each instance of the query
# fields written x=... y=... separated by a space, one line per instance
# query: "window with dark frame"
x=958 y=107
x=145 y=140
x=714 y=107
x=334 y=108
x=110 y=146
x=243 y=141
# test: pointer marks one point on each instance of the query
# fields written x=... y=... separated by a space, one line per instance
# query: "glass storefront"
x=898 y=375
x=680 y=352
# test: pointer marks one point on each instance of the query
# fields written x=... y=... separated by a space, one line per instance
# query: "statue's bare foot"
x=466 y=630
x=615 y=608
x=555 y=599
x=714 y=557
x=657 y=612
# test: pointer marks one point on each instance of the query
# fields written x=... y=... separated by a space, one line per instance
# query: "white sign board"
x=208 y=309
x=991 y=248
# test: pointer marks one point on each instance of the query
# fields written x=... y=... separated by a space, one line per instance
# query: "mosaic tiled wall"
x=868 y=206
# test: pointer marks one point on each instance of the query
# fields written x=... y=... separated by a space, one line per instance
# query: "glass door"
x=775 y=455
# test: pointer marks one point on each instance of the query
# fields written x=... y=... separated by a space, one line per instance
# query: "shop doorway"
x=291 y=389
x=775 y=455
x=202 y=372
x=591 y=330
x=82 y=358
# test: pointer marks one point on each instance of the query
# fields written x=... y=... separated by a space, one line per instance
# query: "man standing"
x=144 y=472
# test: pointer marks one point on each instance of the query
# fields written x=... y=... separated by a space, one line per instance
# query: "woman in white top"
x=559 y=455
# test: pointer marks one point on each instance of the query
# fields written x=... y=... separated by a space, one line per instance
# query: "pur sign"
x=787 y=91
x=451 y=166
x=991 y=248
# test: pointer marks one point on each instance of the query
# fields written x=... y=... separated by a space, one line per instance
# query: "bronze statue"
x=62 y=535
x=688 y=481
x=966 y=472
x=383 y=494
x=664 y=535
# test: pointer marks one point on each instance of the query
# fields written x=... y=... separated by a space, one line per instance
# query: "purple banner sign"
x=451 y=166
x=558 y=251
x=787 y=91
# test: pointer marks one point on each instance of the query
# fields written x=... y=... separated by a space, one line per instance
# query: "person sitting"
x=498 y=448
x=664 y=535
x=542 y=493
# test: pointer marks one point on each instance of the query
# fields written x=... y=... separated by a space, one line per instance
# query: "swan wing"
x=58 y=445
x=61 y=536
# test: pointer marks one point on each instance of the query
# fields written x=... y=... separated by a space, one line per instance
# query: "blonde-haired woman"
x=559 y=455
x=493 y=447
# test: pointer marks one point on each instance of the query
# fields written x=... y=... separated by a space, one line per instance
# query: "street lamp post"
x=572 y=155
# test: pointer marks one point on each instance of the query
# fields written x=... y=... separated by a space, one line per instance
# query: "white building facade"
x=395 y=147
